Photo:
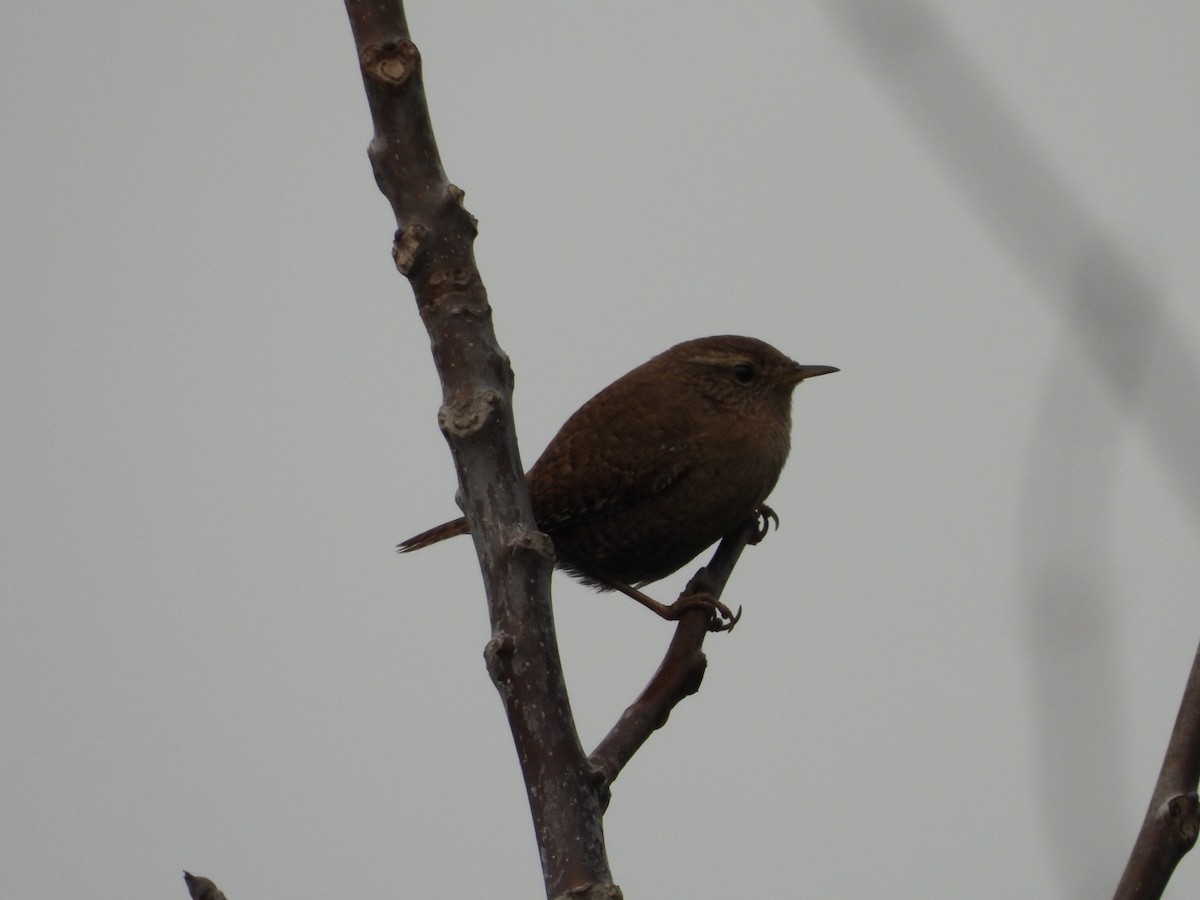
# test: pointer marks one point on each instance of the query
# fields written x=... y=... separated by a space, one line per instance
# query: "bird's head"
x=741 y=375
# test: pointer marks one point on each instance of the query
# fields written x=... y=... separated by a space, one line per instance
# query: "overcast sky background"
x=961 y=655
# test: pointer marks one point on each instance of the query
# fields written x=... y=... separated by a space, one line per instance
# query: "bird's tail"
x=433 y=535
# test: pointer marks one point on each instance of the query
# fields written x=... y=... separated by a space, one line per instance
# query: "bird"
x=661 y=464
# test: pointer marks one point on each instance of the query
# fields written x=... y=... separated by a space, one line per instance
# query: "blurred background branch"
x=1142 y=375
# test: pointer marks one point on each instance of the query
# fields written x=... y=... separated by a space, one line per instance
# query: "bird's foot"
x=766 y=516
x=721 y=617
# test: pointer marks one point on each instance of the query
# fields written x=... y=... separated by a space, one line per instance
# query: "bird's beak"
x=800 y=373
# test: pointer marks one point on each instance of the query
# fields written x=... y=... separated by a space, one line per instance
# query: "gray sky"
x=960 y=657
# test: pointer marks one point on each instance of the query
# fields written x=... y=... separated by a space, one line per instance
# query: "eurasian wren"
x=662 y=463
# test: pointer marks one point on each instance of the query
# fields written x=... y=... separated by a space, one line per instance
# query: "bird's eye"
x=744 y=373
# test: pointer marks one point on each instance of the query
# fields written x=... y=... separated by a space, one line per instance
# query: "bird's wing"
x=589 y=473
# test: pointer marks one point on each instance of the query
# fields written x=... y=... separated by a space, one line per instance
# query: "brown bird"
x=663 y=463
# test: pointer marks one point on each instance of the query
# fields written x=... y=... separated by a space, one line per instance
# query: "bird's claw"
x=721 y=617
x=725 y=619
x=766 y=516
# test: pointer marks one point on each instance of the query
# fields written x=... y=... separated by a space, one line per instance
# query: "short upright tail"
x=433 y=535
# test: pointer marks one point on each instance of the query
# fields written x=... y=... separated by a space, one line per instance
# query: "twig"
x=1173 y=819
x=202 y=888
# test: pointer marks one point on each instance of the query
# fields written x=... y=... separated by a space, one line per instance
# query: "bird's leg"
x=723 y=618
x=766 y=516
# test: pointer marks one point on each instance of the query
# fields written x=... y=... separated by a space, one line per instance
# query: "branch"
x=1173 y=819
x=434 y=249
x=682 y=668
x=201 y=888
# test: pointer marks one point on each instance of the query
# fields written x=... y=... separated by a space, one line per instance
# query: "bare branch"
x=1173 y=819
x=202 y=888
x=434 y=249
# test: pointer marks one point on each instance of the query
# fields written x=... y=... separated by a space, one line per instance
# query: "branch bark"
x=1173 y=819
x=201 y=888
x=434 y=249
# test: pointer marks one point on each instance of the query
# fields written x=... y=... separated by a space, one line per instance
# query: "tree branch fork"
x=568 y=790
